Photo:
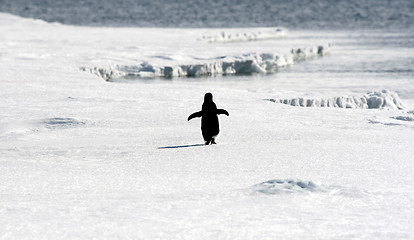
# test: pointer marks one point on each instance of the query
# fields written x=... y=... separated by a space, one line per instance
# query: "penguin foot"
x=211 y=141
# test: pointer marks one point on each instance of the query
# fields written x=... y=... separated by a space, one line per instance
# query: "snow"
x=85 y=158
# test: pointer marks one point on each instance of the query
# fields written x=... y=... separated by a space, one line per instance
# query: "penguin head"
x=208 y=97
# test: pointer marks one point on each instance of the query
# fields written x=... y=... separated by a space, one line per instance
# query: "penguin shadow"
x=182 y=146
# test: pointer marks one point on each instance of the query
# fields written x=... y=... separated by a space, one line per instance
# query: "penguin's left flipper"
x=222 y=111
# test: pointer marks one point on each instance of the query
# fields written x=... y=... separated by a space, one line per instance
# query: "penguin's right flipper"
x=194 y=115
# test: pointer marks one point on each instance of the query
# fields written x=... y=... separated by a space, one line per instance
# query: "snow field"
x=110 y=178
x=85 y=158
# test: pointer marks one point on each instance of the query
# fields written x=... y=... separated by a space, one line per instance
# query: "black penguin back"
x=209 y=121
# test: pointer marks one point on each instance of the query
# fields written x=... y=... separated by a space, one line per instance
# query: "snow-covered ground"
x=85 y=158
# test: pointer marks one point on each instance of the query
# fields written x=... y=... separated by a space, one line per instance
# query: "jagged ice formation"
x=384 y=99
x=244 y=64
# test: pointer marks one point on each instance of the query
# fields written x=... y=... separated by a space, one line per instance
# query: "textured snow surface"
x=382 y=100
x=85 y=158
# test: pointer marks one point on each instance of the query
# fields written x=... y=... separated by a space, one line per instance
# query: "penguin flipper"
x=194 y=115
x=222 y=111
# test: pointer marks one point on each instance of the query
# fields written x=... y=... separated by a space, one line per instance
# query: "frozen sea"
x=95 y=142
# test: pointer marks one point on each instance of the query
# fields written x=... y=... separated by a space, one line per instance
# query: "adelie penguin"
x=210 y=126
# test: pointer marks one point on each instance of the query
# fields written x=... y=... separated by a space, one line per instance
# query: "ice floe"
x=384 y=99
x=244 y=64
x=245 y=36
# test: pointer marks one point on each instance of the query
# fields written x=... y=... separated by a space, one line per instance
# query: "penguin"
x=210 y=127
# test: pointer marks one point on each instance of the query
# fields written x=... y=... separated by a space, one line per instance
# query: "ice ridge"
x=294 y=186
x=246 y=36
x=245 y=64
x=384 y=99
x=278 y=186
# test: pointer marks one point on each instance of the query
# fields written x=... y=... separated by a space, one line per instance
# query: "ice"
x=287 y=186
x=248 y=63
x=296 y=186
x=405 y=118
x=84 y=158
x=246 y=36
x=384 y=99
x=17 y=127
x=60 y=122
